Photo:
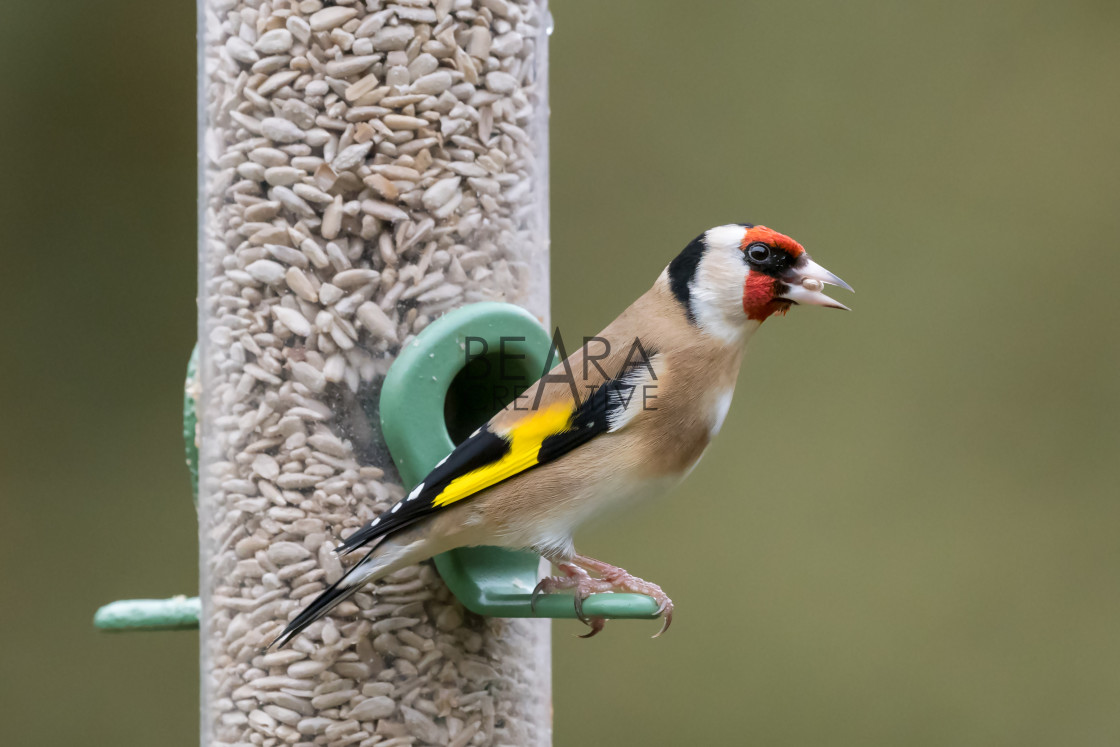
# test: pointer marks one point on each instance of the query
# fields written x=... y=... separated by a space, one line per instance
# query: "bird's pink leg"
x=611 y=579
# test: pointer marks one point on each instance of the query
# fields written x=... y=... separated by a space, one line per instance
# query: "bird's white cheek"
x=720 y=410
x=716 y=295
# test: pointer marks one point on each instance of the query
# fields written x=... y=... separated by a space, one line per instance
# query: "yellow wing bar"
x=525 y=439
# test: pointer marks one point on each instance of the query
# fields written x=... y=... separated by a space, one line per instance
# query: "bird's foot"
x=619 y=579
x=584 y=586
x=611 y=579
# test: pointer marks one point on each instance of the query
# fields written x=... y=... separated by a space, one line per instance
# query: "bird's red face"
x=761 y=289
x=781 y=274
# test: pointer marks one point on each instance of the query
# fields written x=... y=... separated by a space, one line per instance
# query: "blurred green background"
x=907 y=532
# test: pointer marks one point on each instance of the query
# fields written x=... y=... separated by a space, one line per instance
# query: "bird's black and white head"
x=732 y=278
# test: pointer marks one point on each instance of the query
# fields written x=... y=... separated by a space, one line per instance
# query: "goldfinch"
x=625 y=417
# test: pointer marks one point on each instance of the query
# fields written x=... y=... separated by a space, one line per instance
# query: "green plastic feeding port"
x=449 y=380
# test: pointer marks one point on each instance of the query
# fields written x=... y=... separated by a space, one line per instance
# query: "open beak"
x=805 y=283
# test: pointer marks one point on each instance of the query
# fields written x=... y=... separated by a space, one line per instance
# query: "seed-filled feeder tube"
x=365 y=168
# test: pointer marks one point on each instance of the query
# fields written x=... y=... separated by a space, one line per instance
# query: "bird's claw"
x=595 y=623
x=538 y=590
x=579 y=597
x=612 y=580
x=665 y=612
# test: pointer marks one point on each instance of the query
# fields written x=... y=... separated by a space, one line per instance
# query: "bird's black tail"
x=387 y=555
x=350 y=582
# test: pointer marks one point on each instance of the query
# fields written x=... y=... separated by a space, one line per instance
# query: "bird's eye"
x=758 y=252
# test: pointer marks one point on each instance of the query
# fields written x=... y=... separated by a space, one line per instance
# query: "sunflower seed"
x=274 y=42
x=280 y=130
x=293 y=320
x=348 y=66
x=266 y=271
x=439 y=193
x=374 y=708
x=241 y=50
x=392 y=38
x=350 y=157
x=500 y=82
x=329 y=18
